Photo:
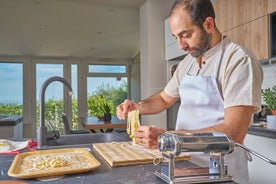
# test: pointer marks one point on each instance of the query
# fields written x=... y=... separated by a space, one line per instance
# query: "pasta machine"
x=216 y=144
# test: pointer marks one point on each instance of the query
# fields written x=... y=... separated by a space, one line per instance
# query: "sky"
x=11 y=81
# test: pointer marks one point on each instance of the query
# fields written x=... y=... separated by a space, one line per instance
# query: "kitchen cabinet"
x=271 y=6
x=231 y=14
x=259 y=170
x=246 y=22
x=172 y=50
x=254 y=36
x=11 y=127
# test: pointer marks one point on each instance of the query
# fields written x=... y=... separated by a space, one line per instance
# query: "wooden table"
x=92 y=123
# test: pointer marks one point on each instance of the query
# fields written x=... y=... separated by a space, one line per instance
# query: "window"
x=107 y=69
x=74 y=83
x=11 y=90
x=106 y=84
x=54 y=102
x=101 y=83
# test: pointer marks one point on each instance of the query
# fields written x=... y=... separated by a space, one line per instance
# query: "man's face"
x=190 y=37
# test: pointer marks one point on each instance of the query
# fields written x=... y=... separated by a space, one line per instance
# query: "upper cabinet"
x=271 y=6
x=172 y=49
x=246 y=22
x=233 y=13
x=253 y=35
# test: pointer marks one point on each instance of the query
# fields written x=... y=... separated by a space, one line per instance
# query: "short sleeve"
x=242 y=83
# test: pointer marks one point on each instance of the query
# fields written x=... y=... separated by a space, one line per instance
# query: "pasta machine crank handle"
x=256 y=154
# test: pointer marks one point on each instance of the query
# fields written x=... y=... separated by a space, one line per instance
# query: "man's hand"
x=125 y=107
x=148 y=135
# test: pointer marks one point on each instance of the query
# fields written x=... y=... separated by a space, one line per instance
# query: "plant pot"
x=271 y=121
x=101 y=118
x=273 y=112
x=107 y=117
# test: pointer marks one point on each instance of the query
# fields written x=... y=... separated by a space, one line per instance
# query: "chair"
x=67 y=129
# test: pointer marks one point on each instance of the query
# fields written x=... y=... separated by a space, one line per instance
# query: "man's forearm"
x=155 y=103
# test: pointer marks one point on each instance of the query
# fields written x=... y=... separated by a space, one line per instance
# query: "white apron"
x=202 y=106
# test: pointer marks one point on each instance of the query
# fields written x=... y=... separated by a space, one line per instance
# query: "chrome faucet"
x=42 y=130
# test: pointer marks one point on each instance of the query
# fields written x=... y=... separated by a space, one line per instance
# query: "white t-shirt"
x=240 y=74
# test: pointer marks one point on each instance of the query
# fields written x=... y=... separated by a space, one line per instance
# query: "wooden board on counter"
x=124 y=153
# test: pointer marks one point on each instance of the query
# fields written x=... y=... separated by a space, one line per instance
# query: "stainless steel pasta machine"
x=216 y=144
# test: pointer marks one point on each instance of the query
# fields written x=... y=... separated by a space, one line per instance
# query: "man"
x=218 y=83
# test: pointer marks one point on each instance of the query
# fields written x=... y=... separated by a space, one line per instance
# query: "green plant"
x=106 y=108
x=269 y=96
x=98 y=105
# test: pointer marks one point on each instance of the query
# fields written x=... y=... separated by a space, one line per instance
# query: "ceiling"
x=70 y=28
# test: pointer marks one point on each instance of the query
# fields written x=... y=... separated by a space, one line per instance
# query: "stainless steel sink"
x=79 y=140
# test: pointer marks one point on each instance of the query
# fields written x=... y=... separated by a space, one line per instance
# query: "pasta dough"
x=50 y=161
x=133 y=123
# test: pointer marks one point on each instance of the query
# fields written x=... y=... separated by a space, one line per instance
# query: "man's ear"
x=209 y=24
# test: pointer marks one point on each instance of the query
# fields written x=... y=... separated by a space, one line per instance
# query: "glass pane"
x=74 y=78
x=107 y=69
x=45 y=71
x=53 y=94
x=11 y=90
x=101 y=90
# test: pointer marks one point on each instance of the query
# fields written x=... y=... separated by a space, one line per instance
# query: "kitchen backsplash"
x=269 y=76
x=268 y=82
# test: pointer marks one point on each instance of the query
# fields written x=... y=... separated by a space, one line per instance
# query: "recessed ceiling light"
x=110 y=9
x=37 y=2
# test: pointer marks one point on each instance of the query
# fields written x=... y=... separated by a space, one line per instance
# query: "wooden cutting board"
x=124 y=153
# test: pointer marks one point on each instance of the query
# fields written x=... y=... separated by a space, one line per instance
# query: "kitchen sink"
x=79 y=140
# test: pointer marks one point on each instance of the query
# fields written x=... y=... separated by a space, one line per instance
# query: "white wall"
x=269 y=76
x=152 y=47
x=135 y=82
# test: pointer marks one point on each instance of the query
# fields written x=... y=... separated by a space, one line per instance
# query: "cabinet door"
x=271 y=6
x=259 y=170
x=172 y=49
x=253 y=35
x=233 y=13
x=169 y=38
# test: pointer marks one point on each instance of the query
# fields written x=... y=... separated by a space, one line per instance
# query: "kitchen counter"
x=10 y=120
x=263 y=132
x=104 y=174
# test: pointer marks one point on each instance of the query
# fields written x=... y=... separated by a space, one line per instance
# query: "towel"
x=14 y=147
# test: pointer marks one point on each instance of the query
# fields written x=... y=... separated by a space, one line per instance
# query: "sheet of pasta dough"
x=133 y=123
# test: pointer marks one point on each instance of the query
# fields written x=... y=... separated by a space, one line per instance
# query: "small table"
x=92 y=123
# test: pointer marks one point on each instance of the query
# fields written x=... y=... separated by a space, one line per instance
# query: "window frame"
x=29 y=84
x=82 y=100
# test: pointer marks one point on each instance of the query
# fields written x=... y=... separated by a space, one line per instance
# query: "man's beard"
x=204 y=44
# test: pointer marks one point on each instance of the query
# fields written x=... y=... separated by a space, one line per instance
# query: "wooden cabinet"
x=245 y=22
x=271 y=6
x=252 y=35
x=233 y=13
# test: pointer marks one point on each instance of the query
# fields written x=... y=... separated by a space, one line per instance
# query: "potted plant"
x=107 y=111
x=269 y=96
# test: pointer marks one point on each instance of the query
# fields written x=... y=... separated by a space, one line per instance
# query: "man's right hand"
x=125 y=107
